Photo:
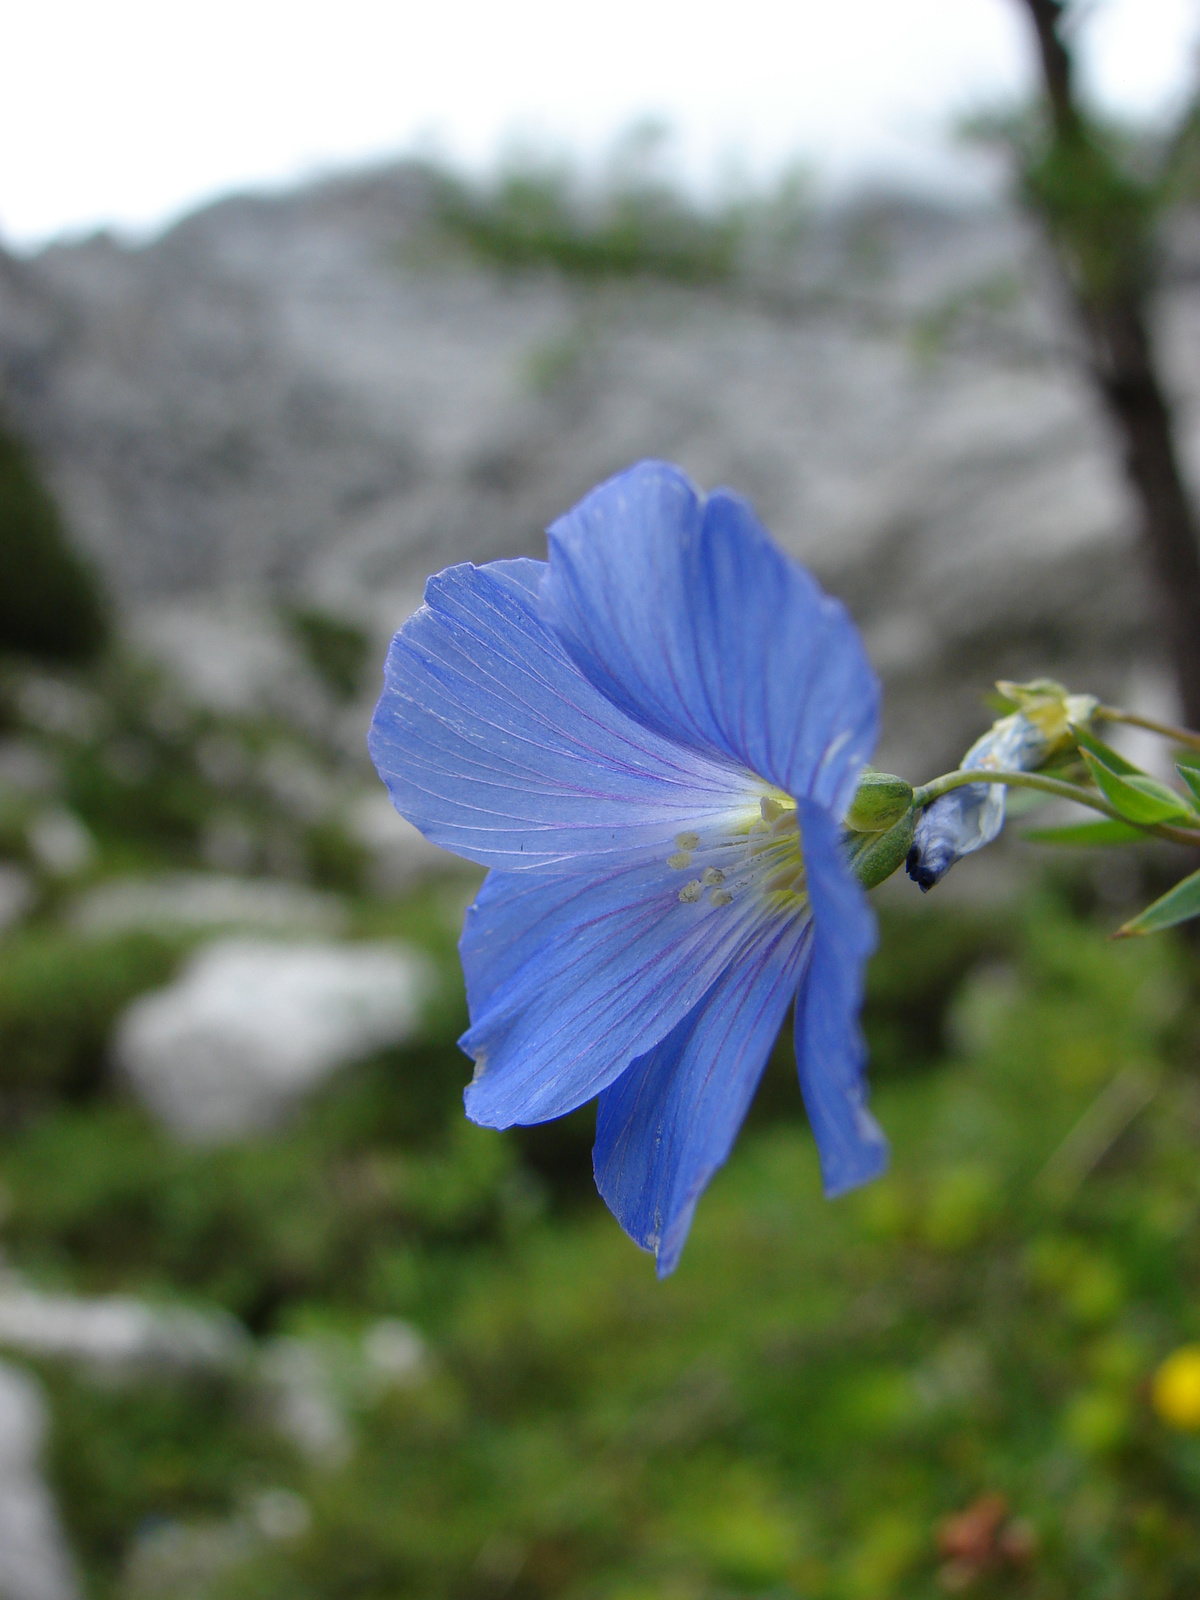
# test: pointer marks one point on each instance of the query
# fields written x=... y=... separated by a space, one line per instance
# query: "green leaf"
x=1105 y=753
x=1190 y=776
x=1138 y=799
x=1085 y=833
x=1179 y=904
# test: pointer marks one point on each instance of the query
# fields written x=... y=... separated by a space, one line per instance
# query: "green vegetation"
x=50 y=604
x=636 y=220
x=795 y=1413
x=59 y=998
x=337 y=650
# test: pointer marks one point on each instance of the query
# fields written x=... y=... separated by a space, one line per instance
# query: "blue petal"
x=684 y=613
x=666 y=1125
x=570 y=978
x=494 y=744
x=830 y=1052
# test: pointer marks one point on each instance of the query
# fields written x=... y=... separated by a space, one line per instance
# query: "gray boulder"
x=251 y=1026
x=115 y=1335
x=182 y=900
x=34 y=1561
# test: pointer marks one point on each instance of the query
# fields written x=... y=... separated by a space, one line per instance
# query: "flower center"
x=759 y=853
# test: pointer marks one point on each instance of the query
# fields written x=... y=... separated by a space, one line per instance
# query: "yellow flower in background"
x=1176 y=1389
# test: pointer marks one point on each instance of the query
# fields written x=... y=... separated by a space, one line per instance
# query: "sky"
x=126 y=115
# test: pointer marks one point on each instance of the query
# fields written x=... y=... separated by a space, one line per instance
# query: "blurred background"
x=300 y=305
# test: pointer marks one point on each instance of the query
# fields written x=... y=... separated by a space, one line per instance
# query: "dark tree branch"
x=1056 y=65
x=1099 y=222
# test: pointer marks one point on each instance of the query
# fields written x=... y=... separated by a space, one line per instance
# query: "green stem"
x=1058 y=787
x=1168 y=730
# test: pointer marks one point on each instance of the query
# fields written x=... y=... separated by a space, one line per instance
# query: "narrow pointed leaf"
x=1190 y=776
x=1086 y=833
x=1179 y=904
x=1138 y=799
x=1104 y=753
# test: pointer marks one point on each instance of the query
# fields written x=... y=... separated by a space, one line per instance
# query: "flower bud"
x=875 y=856
x=881 y=800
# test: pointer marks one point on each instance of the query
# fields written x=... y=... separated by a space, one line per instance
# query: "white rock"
x=399 y=853
x=27 y=767
x=305 y=1408
x=251 y=1026
x=182 y=1560
x=59 y=707
x=231 y=657
x=17 y=894
x=60 y=843
x=279 y=1515
x=116 y=1334
x=393 y=1351
x=206 y=900
x=34 y=1561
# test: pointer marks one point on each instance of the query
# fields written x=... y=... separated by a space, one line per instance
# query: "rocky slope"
x=308 y=394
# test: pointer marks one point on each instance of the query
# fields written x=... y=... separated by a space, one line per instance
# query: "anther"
x=686 y=841
x=712 y=876
x=691 y=892
x=720 y=897
x=680 y=860
x=787 y=823
x=770 y=808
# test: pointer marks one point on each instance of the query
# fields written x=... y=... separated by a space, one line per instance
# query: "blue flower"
x=651 y=739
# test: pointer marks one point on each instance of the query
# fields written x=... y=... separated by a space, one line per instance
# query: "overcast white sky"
x=127 y=113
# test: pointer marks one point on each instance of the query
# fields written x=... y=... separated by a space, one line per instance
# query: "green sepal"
x=1086 y=833
x=1104 y=753
x=1179 y=904
x=875 y=856
x=1190 y=776
x=880 y=800
x=1138 y=799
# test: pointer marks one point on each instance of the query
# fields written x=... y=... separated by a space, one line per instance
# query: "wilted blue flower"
x=963 y=821
x=651 y=740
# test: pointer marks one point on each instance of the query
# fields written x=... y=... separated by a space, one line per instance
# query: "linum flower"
x=651 y=739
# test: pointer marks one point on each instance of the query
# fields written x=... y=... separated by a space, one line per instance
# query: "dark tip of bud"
x=923 y=875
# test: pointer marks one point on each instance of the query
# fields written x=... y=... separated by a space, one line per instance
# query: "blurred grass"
x=792 y=1414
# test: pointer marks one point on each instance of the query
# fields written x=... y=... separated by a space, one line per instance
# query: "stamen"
x=712 y=876
x=781 y=879
x=787 y=823
x=770 y=808
x=720 y=897
x=686 y=841
x=691 y=892
x=680 y=860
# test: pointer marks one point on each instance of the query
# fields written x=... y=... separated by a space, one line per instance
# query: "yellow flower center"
x=760 y=852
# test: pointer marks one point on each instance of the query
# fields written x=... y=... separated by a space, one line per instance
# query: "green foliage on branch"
x=637 y=220
x=50 y=603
